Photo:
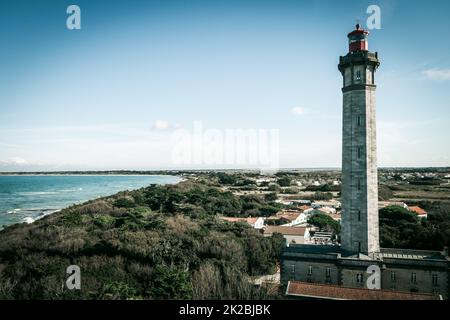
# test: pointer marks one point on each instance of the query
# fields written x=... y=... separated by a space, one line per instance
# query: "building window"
x=359 y=152
x=359 y=184
x=292 y=268
x=359 y=278
x=434 y=278
x=359 y=215
x=328 y=275
x=358 y=120
x=393 y=276
x=358 y=75
x=413 y=278
x=309 y=270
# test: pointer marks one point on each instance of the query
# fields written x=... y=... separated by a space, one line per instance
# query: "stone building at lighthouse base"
x=404 y=270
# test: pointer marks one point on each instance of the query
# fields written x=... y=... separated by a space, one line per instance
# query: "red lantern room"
x=357 y=40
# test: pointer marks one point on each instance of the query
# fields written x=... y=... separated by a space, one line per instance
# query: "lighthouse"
x=360 y=231
x=359 y=260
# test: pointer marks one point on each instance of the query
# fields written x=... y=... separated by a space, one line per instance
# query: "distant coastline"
x=91 y=173
x=27 y=197
x=181 y=172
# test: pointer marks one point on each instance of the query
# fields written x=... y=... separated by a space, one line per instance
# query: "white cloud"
x=19 y=164
x=298 y=111
x=160 y=125
x=437 y=74
x=15 y=161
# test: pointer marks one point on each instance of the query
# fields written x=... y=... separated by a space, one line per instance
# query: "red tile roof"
x=291 y=231
x=290 y=215
x=417 y=210
x=322 y=291
x=252 y=220
x=249 y=220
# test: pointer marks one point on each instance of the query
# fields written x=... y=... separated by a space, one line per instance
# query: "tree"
x=157 y=243
x=244 y=182
x=271 y=196
x=325 y=223
x=226 y=178
x=322 y=196
x=170 y=283
x=284 y=181
x=274 y=187
x=400 y=228
x=392 y=215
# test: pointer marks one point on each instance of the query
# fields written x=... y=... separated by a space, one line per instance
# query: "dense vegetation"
x=166 y=242
x=400 y=228
x=426 y=181
x=325 y=223
x=384 y=193
x=160 y=242
x=324 y=188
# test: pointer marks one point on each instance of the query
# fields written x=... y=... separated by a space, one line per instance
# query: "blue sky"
x=111 y=94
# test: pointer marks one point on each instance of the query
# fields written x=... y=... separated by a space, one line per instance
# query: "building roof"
x=290 y=215
x=250 y=220
x=313 y=249
x=399 y=255
x=327 y=203
x=358 y=30
x=322 y=291
x=290 y=231
x=417 y=210
x=412 y=254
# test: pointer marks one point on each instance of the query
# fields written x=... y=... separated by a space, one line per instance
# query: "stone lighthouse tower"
x=360 y=232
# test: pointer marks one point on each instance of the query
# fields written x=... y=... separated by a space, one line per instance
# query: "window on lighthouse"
x=358 y=75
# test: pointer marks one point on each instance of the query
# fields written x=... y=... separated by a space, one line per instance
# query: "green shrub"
x=72 y=219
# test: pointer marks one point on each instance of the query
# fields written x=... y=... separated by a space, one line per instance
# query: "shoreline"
x=82 y=174
x=30 y=219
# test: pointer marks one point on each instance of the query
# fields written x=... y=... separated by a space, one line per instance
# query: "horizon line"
x=211 y=169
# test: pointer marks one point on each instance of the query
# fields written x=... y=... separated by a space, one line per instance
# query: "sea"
x=26 y=198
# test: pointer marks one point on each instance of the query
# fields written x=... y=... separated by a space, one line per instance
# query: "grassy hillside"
x=160 y=242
